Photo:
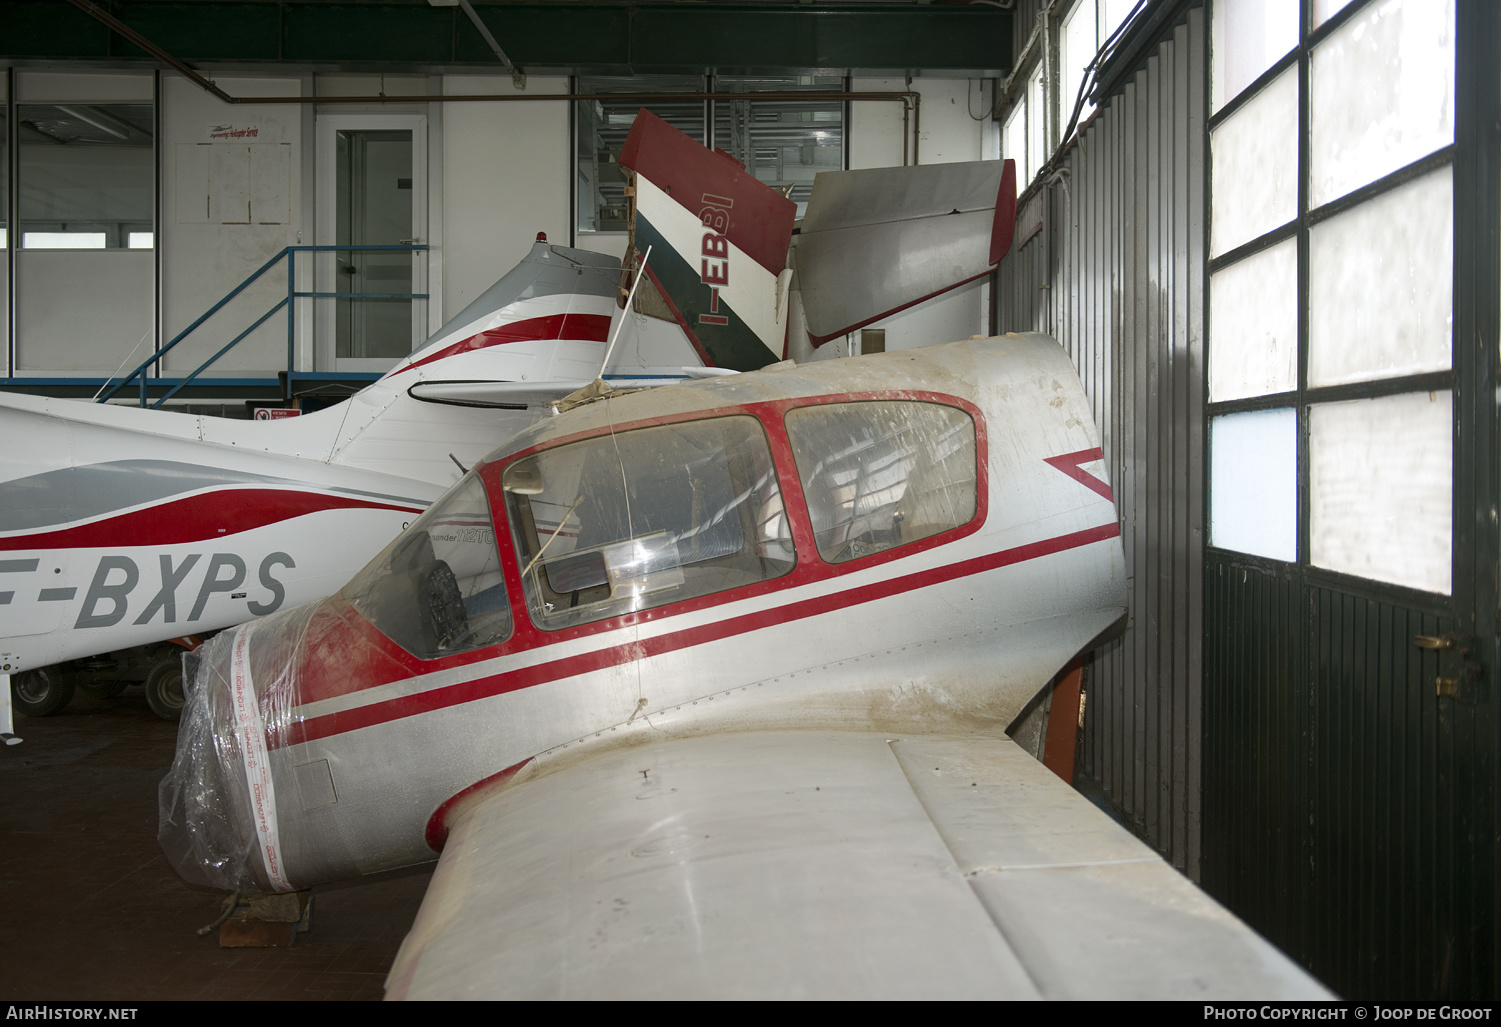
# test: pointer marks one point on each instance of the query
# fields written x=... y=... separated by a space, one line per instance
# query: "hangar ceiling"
x=973 y=39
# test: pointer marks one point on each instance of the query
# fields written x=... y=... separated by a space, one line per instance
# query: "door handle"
x=1461 y=676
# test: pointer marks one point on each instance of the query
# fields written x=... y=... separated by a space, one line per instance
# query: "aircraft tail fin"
x=718 y=240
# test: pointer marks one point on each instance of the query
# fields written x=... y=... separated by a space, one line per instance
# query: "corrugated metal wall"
x=1348 y=812
x=1117 y=276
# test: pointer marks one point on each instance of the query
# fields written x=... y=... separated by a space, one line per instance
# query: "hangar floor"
x=90 y=908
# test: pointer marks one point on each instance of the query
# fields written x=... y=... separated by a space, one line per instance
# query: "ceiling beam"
x=619 y=38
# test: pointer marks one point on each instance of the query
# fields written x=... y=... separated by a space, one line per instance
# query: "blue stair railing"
x=287 y=302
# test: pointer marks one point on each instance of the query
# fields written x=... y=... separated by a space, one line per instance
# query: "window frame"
x=1303 y=397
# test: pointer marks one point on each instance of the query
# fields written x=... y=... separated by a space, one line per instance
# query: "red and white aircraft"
x=702 y=692
x=121 y=527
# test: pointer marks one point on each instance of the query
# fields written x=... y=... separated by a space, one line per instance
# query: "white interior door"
x=372 y=191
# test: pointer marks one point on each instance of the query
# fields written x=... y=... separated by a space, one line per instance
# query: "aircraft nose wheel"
x=41 y=692
x=164 y=689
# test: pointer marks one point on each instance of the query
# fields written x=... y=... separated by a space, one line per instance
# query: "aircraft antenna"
x=640 y=274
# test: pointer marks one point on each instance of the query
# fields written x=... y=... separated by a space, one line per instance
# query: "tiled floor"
x=90 y=908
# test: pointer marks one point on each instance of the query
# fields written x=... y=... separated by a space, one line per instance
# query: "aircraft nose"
x=217 y=810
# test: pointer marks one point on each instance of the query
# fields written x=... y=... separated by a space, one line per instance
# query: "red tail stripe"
x=590 y=327
x=207 y=515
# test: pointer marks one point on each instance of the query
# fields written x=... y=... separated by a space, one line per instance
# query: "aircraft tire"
x=41 y=692
x=103 y=689
x=164 y=689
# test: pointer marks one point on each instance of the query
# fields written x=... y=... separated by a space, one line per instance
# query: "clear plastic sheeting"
x=1256 y=166
x=437 y=589
x=881 y=474
x=1253 y=335
x=623 y=522
x=217 y=805
x=1381 y=94
x=1381 y=286
x=1381 y=488
x=1253 y=466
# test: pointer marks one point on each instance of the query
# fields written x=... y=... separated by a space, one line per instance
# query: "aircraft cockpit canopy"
x=438 y=589
x=628 y=521
x=637 y=518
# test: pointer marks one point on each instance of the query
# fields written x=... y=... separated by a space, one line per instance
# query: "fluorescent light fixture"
x=62 y=240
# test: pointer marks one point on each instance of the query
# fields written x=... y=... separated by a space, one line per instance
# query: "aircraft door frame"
x=327 y=277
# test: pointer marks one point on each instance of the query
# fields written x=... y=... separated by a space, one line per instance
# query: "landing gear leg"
x=7 y=728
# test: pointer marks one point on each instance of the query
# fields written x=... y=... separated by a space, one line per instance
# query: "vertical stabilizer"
x=718 y=241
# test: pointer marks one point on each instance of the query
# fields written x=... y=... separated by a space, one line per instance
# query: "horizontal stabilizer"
x=878 y=241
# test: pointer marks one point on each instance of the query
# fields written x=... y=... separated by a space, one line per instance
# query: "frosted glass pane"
x=1381 y=94
x=1253 y=335
x=1113 y=14
x=1380 y=286
x=1256 y=166
x=1037 y=121
x=1078 y=49
x=1323 y=10
x=1253 y=463
x=1014 y=143
x=1380 y=477
x=1249 y=36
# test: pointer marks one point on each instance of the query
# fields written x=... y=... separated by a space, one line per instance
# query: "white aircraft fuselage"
x=121 y=527
x=917 y=538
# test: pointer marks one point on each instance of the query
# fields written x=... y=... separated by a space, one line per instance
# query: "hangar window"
x=620 y=523
x=782 y=140
x=880 y=474
x=437 y=590
x=87 y=175
x=785 y=142
x=1331 y=286
x=601 y=127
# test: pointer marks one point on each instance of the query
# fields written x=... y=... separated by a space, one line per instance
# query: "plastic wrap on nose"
x=217 y=809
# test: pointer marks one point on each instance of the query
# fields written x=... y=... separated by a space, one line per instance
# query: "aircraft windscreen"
x=624 y=522
x=438 y=590
x=880 y=474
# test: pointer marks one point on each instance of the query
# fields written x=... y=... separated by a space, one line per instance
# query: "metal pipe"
x=517 y=78
x=94 y=11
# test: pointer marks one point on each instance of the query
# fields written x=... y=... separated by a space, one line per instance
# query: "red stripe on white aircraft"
x=485 y=687
x=1072 y=464
x=207 y=515
x=585 y=327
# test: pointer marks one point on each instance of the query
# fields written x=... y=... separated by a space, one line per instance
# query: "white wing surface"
x=812 y=864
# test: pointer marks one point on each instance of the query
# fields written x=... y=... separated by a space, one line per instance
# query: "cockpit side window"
x=625 y=522
x=879 y=474
x=438 y=590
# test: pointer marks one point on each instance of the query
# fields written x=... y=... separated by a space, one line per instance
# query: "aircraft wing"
x=877 y=241
x=816 y=864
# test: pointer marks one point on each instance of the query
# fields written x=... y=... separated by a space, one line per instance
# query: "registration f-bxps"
x=121 y=527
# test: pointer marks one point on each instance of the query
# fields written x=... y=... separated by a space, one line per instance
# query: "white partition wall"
x=84 y=297
x=231 y=201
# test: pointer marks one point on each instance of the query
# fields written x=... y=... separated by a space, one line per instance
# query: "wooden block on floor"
x=255 y=934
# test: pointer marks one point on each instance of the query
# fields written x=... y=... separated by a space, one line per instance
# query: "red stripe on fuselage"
x=587 y=327
x=207 y=515
x=498 y=684
x=1070 y=464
